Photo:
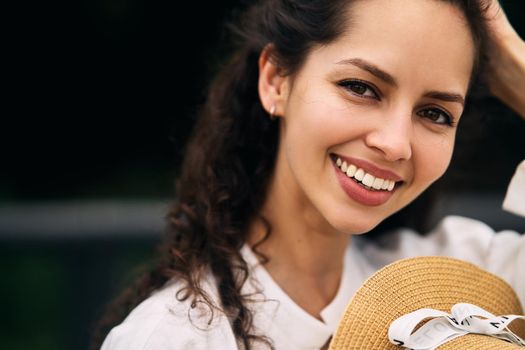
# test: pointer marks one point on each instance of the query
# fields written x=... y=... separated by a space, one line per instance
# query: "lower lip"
x=359 y=193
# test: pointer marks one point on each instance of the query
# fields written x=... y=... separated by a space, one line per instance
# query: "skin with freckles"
x=390 y=97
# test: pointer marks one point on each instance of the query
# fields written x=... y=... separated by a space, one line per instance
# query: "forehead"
x=424 y=39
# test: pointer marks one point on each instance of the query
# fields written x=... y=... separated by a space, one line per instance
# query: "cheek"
x=317 y=120
x=432 y=157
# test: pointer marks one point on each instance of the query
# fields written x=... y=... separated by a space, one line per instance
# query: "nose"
x=392 y=137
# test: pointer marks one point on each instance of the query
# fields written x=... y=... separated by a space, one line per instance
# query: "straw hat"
x=425 y=282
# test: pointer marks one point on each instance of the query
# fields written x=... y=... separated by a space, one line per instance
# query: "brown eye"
x=359 y=88
x=437 y=116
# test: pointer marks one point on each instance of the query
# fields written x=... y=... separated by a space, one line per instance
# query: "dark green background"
x=100 y=99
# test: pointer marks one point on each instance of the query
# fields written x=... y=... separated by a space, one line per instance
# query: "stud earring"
x=272 y=113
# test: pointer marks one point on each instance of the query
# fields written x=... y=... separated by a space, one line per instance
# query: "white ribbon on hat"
x=464 y=319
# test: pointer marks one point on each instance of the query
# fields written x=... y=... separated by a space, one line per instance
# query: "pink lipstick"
x=356 y=190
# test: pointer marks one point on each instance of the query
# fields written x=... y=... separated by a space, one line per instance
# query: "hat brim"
x=423 y=282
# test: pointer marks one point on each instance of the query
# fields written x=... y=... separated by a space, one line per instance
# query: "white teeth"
x=360 y=174
x=351 y=170
x=366 y=179
x=377 y=183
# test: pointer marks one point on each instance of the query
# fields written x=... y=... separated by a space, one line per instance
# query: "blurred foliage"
x=53 y=292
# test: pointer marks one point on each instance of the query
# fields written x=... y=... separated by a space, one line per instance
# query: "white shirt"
x=161 y=322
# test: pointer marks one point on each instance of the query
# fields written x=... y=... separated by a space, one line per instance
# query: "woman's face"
x=384 y=98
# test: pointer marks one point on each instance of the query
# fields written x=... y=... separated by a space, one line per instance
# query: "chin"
x=357 y=226
x=361 y=230
x=352 y=220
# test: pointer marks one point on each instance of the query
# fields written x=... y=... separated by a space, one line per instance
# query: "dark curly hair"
x=231 y=156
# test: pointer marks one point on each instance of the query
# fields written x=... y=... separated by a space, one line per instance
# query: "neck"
x=305 y=253
x=299 y=247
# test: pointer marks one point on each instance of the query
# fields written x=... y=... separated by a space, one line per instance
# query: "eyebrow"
x=446 y=96
x=369 y=67
x=387 y=78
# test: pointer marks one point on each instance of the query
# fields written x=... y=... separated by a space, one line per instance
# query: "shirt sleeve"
x=168 y=333
x=162 y=322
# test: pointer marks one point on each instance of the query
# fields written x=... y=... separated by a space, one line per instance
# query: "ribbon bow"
x=443 y=327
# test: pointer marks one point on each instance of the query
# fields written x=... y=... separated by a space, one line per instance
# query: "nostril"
x=393 y=146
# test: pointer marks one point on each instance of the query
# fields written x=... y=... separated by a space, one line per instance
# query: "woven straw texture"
x=433 y=282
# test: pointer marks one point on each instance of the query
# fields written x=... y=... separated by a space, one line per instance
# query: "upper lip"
x=371 y=168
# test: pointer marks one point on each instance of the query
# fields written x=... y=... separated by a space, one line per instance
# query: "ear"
x=273 y=83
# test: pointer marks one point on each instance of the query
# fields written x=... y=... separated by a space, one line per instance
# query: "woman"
x=330 y=117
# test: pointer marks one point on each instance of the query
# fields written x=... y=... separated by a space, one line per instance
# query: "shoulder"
x=162 y=322
x=502 y=253
x=454 y=236
x=471 y=236
x=405 y=242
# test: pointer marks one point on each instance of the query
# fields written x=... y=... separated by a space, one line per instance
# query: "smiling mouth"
x=364 y=179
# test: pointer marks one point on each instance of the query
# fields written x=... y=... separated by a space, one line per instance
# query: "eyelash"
x=448 y=119
x=348 y=84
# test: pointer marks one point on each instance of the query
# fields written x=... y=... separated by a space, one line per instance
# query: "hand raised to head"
x=506 y=60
